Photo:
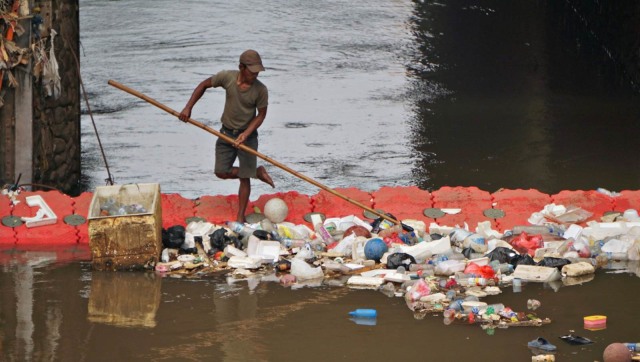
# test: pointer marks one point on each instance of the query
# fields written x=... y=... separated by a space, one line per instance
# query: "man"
x=245 y=95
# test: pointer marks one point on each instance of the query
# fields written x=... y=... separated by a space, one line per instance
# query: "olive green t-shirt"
x=240 y=106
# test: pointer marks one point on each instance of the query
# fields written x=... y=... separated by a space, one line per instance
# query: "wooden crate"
x=126 y=242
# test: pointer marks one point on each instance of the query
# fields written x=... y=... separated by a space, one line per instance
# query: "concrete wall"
x=40 y=133
x=56 y=131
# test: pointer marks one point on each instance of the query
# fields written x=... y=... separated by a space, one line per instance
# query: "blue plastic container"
x=364 y=313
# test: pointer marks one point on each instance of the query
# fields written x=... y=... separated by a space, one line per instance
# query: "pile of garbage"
x=439 y=270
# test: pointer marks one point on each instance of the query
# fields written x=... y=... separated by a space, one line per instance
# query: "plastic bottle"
x=503 y=268
x=497 y=307
x=292 y=243
x=323 y=234
x=240 y=229
x=364 y=313
x=552 y=229
x=635 y=347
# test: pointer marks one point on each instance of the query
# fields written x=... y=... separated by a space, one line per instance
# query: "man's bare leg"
x=263 y=176
x=243 y=198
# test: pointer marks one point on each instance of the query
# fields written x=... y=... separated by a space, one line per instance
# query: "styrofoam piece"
x=433 y=298
x=354 y=266
x=578 y=269
x=244 y=262
x=574 y=231
x=231 y=250
x=44 y=216
x=396 y=277
x=553 y=249
x=534 y=273
x=268 y=250
x=470 y=304
x=369 y=282
x=376 y=272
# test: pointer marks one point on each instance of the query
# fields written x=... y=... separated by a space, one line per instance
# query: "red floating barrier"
x=54 y=234
x=176 y=209
x=298 y=204
x=471 y=200
x=217 y=209
x=7 y=235
x=334 y=206
x=592 y=201
x=627 y=200
x=404 y=202
x=81 y=205
x=518 y=205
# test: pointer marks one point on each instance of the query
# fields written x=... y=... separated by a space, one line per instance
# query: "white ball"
x=276 y=210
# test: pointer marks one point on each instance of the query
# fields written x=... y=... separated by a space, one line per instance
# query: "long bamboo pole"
x=254 y=152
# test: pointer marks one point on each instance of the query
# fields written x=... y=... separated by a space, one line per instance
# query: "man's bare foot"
x=263 y=176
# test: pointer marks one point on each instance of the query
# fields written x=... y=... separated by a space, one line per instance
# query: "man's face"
x=248 y=75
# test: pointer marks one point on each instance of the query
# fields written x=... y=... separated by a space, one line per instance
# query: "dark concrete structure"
x=40 y=132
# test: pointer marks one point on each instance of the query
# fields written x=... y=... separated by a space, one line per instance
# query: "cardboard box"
x=124 y=242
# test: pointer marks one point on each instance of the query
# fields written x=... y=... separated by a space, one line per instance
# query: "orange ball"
x=616 y=352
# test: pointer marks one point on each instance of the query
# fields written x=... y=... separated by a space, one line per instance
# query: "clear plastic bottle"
x=241 y=229
x=292 y=243
x=552 y=229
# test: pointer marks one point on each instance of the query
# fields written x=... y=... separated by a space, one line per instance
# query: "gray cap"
x=252 y=60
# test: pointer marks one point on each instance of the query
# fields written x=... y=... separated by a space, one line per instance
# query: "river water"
x=362 y=94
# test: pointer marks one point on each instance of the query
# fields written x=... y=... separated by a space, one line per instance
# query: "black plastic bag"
x=396 y=260
x=524 y=259
x=173 y=237
x=553 y=262
x=262 y=235
x=219 y=240
x=467 y=252
x=503 y=255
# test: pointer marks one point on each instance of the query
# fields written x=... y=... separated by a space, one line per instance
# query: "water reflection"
x=510 y=101
x=23 y=268
x=125 y=299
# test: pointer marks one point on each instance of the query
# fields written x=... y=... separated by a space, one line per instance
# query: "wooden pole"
x=252 y=151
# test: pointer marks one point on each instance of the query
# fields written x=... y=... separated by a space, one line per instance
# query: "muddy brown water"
x=368 y=94
x=67 y=312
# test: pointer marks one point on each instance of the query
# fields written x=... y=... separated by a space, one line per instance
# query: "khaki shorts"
x=226 y=155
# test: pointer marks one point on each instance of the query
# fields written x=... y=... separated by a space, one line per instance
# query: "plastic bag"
x=503 y=255
x=396 y=260
x=303 y=271
x=219 y=240
x=418 y=290
x=527 y=243
x=173 y=237
x=553 y=262
x=484 y=271
x=345 y=246
x=449 y=267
